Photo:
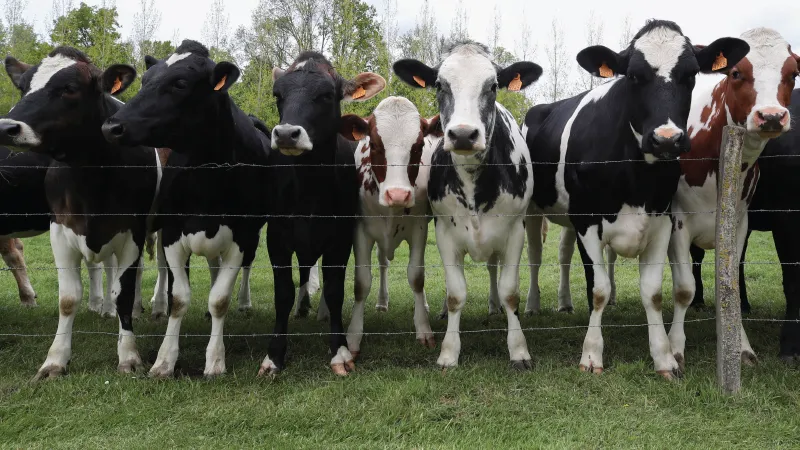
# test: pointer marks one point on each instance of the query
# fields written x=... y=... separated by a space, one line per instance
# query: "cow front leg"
x=303 y=304
x=158 y=303
x=533 y=228
x=281 y=259
x=219 y=301
x=599 y=289
x=453 y=262
x=383 y=291
x=138 y=308
x=13 y=255
x=748 y=354
x=683 y=290
x=123 y=291
x=566 y=248
x=509 y=295
x=416 y=280
x=245 y=303
x=110 y=265
x=181 y=297
x=333 y=272
x=494 y=298
x=362 y=248
x=697 y=254
x=96 y=289
x=611 y=257
x=788 y=246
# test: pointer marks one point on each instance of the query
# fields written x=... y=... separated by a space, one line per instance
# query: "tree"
x=525 y=47
x=19 y=39
x=146 y=22
x=93 y=30
x=216 y=30
x=55 y=29
x=459 y=27
x=594 y=36
x=626 y=35
x=557 y=72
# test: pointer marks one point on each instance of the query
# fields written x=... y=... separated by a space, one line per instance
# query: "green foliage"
x=95 y=31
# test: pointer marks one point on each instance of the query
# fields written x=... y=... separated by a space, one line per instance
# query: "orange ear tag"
x=419 y=81
x=605 y=71
x=358 y=93
x=515 y=84
x=358 y=135
x=117 y=86
x=720 y=63
x=221 y=83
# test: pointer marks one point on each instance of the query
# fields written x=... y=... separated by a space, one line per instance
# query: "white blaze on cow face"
x=662 y=48
x=175 y=57
x=466 y=99
x=397 y=122
x=49 y=67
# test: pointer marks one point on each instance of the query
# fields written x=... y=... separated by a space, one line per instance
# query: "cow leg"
x=214 y=263
x=494 y=299
x=748 y=354
x=453 y=262
x=416 y=279
x=70 y=294
x=219 y=300
x=334 y=270
x=697 y=254
x=566 y=248
x=281 y=259
x=383 y=292
x=137 y=296
x=651 y=277
x=509 y=295
x=323 y=313
x=303 y=297
x=159 y=300
x=109 y=304
x=177 y=260
x=13 y=254
x=742 y=284
x=599 y=287
x=785 y=235
x=362 y=248
x=313 y=280
x=96 y=293
x=123 y=292
x=683 y=289
x=245 y=304
x=533 y=227
x=611 y=257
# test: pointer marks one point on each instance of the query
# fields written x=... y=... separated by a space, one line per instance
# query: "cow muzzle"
x=464 y=140
x=666 y=142
x=291 y=140
x=18 y=136
x=398 y=198
x=771 y=121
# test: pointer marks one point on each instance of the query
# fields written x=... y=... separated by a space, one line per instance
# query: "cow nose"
x=286 y=136
x=463 y=137
x=398 y=197
x=11 y=130
x=666 y=141
x=113 y=131
x=771 y=119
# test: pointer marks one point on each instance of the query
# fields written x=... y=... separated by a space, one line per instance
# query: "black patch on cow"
x=193 y=47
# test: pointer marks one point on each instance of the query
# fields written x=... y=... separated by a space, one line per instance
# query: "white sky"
x=701 y=20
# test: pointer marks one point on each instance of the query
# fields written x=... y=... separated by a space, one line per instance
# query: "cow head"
x=309 y=95
x=758 y=88
x=178 y=95
x=466 y=84
x=658 y=72
x=63 y=101
x=396 y=138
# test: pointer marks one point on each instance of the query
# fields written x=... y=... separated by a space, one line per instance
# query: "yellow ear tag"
x=358 y=93
x=515 y=84
x=605 y=71
x=117 y=86
x=720 y=63
x=221 y=83
x=358 y=135
x=419 y=81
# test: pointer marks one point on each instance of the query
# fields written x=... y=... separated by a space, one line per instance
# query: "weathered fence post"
x=729 y=313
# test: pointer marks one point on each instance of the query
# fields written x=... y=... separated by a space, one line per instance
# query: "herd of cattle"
x=628 y=168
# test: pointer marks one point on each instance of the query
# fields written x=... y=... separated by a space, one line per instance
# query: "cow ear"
x=149 y=61
x=277 y=72
x=117 y=78
x=415 y=73
x=721 y=55
x=602 y=62
x=432 y=127
x=363 y=87
x=15 y=69
x=224 y=75
x=518 y=75
x=353 y=128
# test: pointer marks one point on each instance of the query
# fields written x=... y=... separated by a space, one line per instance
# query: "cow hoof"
x=343 y=369
x=681 y=361
x=245 y=309
x=522 y=365
x=591 y=369
x=566 y=309
x=532 y=312
x=109 y=314
x=382 y=308
x=50 y=371
x=790 y=360
x=96 y=307
x=746 y=309
x=446 y=362
x=612 y=301
x=749 y=358
x=268 y=368
x=162 y=371
x=301 y=312
x=670 y=375
x=323 y=316
x=158 y=315
x=214 y=372
x=427 y=341
x=29 y=303
x=355 y=354
x=131 y=366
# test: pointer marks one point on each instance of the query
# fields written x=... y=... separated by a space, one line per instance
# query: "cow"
x=606 y=165
x=184 y=105
x=97 y=215
x=754 y=94
x=481 y=180
x=393 y=162
x=314 y=186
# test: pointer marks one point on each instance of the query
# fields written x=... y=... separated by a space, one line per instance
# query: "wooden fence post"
x=729 y=313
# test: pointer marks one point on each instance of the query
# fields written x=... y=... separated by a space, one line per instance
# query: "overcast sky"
x=702 y=21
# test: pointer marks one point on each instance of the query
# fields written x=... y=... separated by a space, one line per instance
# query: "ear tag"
x=221 y=83
x=358 y=135
x=419 y=81
x=358 y=93
x=605 y=71
x=515 y=84
x=720 y=63
x=117 y=86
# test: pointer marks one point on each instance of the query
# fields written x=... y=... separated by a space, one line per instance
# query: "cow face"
x=309 y=96
x=658 y=70
x=177 y=94
x=758 y=89
x=396 y=138
x=63 y=101
x=466 y=84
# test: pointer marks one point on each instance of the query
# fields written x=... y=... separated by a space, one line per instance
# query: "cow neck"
x=214 y=141
x=88 y=146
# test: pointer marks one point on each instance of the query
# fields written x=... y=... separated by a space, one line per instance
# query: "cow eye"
x=634 y=79
x=326 y=97
x=70 y=91
x=180 y=84
x=736 y=75
x=438 y=86
x=494 y=87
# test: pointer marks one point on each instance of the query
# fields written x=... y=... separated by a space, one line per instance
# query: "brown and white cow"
x=754 y=94
x=393 y=160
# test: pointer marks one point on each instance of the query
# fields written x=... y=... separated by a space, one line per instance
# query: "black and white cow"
x=217 y=213
x=97 y=214
x=638 y=118
x=481 y=180
x=314 y=189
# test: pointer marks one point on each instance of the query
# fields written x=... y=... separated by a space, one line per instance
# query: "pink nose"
x=398 y=197
x=771 y=117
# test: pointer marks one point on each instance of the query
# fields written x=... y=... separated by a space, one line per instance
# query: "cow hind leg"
x=599 y=289
x=698 y=254
x=494 y=298
x=383 y=292
x=179 y=299
x=362 y=248
x=109 y=303
x=12 y=251
x=533 y=227
x=303 y=304
x=416 y=280
x=788 y=247
x=683 y=290
x=509 y=294
x=138 y=308
x=96 y=293
x=158 y=303
x=611 y=257
x=124 y=291
x=566 y=248
x=245 y=303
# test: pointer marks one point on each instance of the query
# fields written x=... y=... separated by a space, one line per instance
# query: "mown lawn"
x=397 y=398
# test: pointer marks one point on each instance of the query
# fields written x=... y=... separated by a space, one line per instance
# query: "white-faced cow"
x=754 y=94
x=97 y=215
x=393 y=160
x=638 y=118
x=314 y=188
x=481 y=180
x=184 y=105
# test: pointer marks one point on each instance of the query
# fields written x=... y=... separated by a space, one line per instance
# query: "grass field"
x=397 y=398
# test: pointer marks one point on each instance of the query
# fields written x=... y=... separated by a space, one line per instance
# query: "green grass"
x=397 y=398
